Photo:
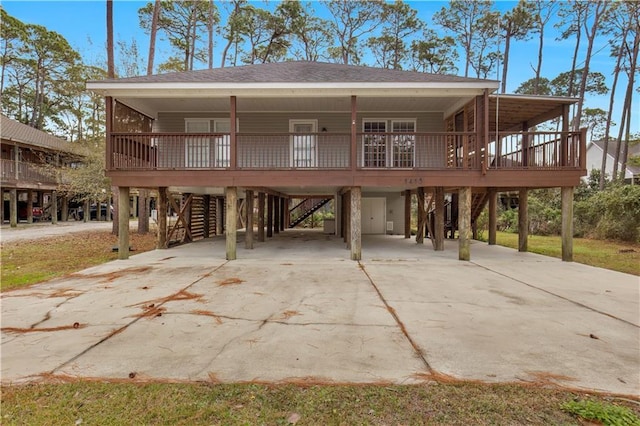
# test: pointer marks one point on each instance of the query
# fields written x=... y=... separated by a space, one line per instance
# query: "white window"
x=211 y=150
x=380 y=149
x=304 y=148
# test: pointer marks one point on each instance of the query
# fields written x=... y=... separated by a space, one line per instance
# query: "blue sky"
x=82 y=23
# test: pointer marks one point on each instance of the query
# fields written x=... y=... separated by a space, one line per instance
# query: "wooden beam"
x=356 y=219
x=464 y=223
x=261 y=216
x=523 y=219
x=282 y=214
x=439 y=219
x=232 y=137
x=354 y=133
x=567 y=223
x=13 y=207
x=407 y=213
x=248 y=235
x=422 y=216
x=123 y=222
x=54 y=207
x=231 y=209
x=276 y=215
x=162 y=218
x=347 y=231
x=270 y=216
x=186 y=214
x=267 y=191
x=108 y=109
x=493 y=215
x=29 y=206
x=485 y=119
x=206 y=202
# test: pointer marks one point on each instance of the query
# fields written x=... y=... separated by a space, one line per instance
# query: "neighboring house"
x=594 y=159
x=30 y=158
x=367 y=138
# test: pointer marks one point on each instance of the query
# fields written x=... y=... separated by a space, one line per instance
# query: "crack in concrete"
x=47 y=316
x=419 y=353
x=121 y=329
x=582 y=305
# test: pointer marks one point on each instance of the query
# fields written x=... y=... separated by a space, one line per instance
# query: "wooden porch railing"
x=332 y=151
x=27 y=172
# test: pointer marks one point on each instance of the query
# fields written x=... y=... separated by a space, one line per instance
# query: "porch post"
x=29 y=206
x=248 y=234
x=13 y=207
x=162 y=218
x=347 y=216
x=276 y=215
x=282 y=213
x=407 y=213
x=523 y=219
x=269 y=216
x=64 y=215
x=54 y=207
x=261 y=216
x=493 y=215
x=232 y=137
x=439 y=219
x=231 y=215
x=525 y=144
x=123 y=222
x=464 y=223
x=356 y=218
x=421 y=216
x=219 y=215
x=564 y=144
x=567 y=223
x=354 y=131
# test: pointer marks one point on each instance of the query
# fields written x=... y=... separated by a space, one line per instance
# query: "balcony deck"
x=513 y=159
x=26 y=175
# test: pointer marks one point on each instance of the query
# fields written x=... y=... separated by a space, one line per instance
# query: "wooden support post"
x=270 y=216
x=276 y=215
x=219 y=215
x=567 y=223
x=407 y=213
x=464 y=223
x=206 y=202
x=347 y=230
x=162 y=218
x=523 y=220
x=493 y=215
x=422 y=216
x=64 y=215
x=123 y=222
x=282 y=214
x=13 y=208
x=354 y=134
x=248 y=235
x=186 y=215
x=231 y=214
x=29 y=206
x=439 y=219
x=54 y=207
x=233 y=140
x=261 y=216
x=356 y=219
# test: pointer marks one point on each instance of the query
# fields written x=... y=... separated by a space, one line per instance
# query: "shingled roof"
x=300 y=72
x=634 y=151
x=15 y=131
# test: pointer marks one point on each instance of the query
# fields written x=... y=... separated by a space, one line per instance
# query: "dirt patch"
x=111 y=276
x=230 y=281
x=288 y=314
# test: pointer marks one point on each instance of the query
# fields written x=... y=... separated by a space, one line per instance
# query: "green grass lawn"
x=617 y=256
x=248 y=404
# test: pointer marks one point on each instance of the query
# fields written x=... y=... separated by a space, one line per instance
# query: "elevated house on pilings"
x=31 y=160
x=367 y=138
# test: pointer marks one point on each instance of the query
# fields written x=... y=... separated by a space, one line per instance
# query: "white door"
x=304 y=150
x=373 y=215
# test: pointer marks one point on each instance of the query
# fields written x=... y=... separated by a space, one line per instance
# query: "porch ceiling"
x=513 y=110
x=151 y=106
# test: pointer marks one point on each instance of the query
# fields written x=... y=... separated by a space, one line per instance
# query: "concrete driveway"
x=296 y=309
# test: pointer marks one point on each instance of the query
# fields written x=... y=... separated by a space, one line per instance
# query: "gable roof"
x=634 y=150
x=15 y=131
x=301 y=72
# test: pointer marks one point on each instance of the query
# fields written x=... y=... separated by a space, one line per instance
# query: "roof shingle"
x=17 y=132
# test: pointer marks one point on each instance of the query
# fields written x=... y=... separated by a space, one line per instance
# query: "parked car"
x=93 y=210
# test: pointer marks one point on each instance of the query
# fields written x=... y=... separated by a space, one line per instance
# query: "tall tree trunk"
x=143 y=211
x=600 y=8
x=210 y=29
x=153 y=35
x=633 y=62
x=111 y=73
x=505 y=64
x=536 y=86
x=605 y=148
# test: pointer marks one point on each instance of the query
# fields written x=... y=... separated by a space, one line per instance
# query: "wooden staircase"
x=304 y=209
